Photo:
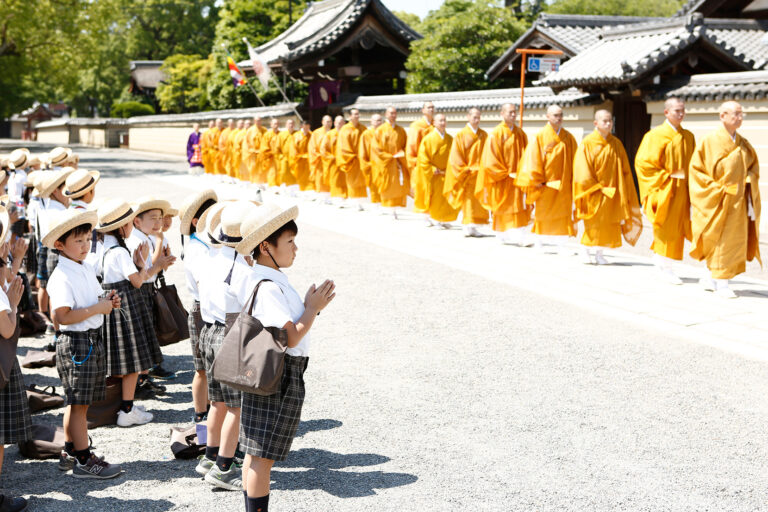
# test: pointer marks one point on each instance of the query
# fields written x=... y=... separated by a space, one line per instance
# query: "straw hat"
x=32 y=178
x=212 y=216
x=262 y=222
x=80 y=182
x=5 y=220
x=52 y=180
x=34 y=160
x=59 y=156
x=146 y=203
x=173 y=212
x=232 y=216
x=19 y=158
x=65 y=220
x=113 y=214
x=189 y=208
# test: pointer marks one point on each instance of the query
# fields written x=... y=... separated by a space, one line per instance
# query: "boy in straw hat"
x=59 y=157
x=195 y=256
x=80 y=188
x=14 y=408
x=148 y=224
x=79 y=307
x=218 y=306
x=269 y=423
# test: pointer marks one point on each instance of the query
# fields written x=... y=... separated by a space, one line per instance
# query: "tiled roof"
x=744 y=36
x=535 y=97
x=570 y=33
x=627 y=53
x=282 y=109
x=747 y=85
x=322 y=24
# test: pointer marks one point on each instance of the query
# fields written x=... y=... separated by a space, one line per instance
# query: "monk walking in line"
x=348 y=159
x=299 y=157
x=331 y=173
x=390 y=169
x=285 y=177
x=314 y=150
x=253 y=144
x=432 y=162
x=416 y=133
x=366 y=164
x=268 y=145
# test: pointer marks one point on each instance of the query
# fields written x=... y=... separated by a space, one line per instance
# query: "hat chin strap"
x=273 y=259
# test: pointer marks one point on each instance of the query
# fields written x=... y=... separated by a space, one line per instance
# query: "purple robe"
x=194 y=138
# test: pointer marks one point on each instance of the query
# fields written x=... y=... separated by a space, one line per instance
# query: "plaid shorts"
x=83 y=383
x=128 y=333
x=42 y=265
x=15 y=422
x=211 y=338
x=268 y=424
x=195 y=323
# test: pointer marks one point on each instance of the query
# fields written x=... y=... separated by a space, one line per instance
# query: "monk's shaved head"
x=338 y=122
x=428 y=110
x=391 y=115
x=554 y=109
x=731 y=115
x=672 y=101
x=729 y=106
x=473 y=118
x=602 y=113
x=603 y=122
x=376 y=120
x=674 y=111
x=508 y=113
x=327 y=122
x=440 y=122
x=555 y=116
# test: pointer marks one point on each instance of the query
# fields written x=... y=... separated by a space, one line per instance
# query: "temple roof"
x=747 y=85
x=726 y=8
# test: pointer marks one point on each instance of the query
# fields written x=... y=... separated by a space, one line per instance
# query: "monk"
x=331 y=173
x=432 y=162
x=661 y=166
x=316 y=158
x=495 y=188
x=416 y=132
x=236 y=146
x=461 y=174
x=604 y=191
x=390 y=169
x=547 y=178
x=268 y=162
x=299 y=157
x=365 y=158
x=222 y=164
x=348 y=159
x=725 y=201
x=253 y=144
x=282 y=156
x=206 y=146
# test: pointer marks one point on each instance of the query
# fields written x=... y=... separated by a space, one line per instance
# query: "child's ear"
x=58 y=245
x=194 y=222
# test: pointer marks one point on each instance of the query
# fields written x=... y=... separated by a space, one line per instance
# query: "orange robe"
x=284 y=174
x=461 y=175
x=495 y=188
x=222 y=162
x=237 y=154
x=723 y=182
x=365 y=164
x=390 y=174
x=433 y=156
x=207 y=149
x=266 y=151
x=299 y=160
x=253 y=146
x=549 y=159
x=315 y=156
x=331 y=173
x=416 y=133
x=601 y=169
x=348 y=160
x=663 y=152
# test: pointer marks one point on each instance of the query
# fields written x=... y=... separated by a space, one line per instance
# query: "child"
x=78 y=306
x=195 y=256
x=148 y=224
x=14 y=409
x=80 y=188
x=218 y=305
x=269 y=423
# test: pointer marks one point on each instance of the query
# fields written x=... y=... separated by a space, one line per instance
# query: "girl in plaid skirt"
x=269 y=423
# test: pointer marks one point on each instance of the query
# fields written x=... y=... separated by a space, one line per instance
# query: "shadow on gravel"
x=305 y=427
x=87 y=502
x=324 y=474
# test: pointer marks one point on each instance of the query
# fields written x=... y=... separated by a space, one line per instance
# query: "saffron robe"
x=495 y=188
x=252 y=160
x=549 y=159
x=663 y=152
x=283 y=154
x=723 y=184
x=237 y=154
x=268 y=163
x=390 y=173
x=433 y=159
x=366 y=166
x=331 y=173
x=299 y=160
x=348 y=160
x=461 y=175
x=209 y=147
x=316 y=160
x=416 y=133
x=222 y=161
x=601 y=170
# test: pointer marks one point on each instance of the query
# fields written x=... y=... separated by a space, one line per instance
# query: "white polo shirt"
x=117 y=263
x=50 y=209
x=5 y=304
x=74 y=285
x=133 y=242
x=16 y=185
x=195 y=260
x=277 y=303
x=33 y=208
x=217 y=298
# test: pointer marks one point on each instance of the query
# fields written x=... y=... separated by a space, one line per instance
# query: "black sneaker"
x=158 y=372
x=51 y=347
x=9 y=504
x=144 y=392
x=154 y=386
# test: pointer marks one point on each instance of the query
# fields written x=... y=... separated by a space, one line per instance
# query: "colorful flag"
x=238 y=78
x=260 y=68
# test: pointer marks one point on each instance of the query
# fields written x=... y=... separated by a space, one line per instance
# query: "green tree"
x=184 y=90
x=130 y=109
x=411 y=19
x=461 y=39
x=661 y=8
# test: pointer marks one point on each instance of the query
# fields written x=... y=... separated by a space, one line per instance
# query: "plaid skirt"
x=15 y=422
x=195 y=323
x=30 y=265
x=211 y=338
x=268 y=424
x=127 y=333
x=148 y=292
x=82 y=366
x=51 y=260
x=42 y=264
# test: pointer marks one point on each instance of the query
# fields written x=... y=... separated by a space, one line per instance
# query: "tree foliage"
x=461 y=40
x=651 y=8
x=131 y=108
x=412 y=20
x=184 y=90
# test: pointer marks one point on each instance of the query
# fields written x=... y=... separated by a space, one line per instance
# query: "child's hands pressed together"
x=115 y=298
x=141 y=254
x=15 y=291
x=19 y=248
x=318 y=298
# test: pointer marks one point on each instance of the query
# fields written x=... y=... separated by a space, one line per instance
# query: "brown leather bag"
x=38 y=359
x=170 y=315
x=42 y=399
x=252 y=356
x=8 y=356
x=184 y=443
x=104 y=412
x=47 y=442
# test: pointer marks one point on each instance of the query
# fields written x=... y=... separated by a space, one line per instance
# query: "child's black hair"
x=199 y=212
x=119 y=237
x=289 y=227
x=82 y=229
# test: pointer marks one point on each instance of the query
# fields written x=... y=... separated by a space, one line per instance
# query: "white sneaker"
x=669 y=276
x=586 y=257
x=471 y=231
x=707 y=283
x=135 y=417
x=430 y=222
x=599 y=259
x=726 y=293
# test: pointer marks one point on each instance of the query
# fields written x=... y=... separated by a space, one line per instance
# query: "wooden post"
x=525 y=52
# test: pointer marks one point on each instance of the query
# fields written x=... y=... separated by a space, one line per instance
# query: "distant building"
x=24 y=124
x=145 y=77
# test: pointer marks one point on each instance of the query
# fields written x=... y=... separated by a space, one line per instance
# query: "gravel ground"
x=433 y=389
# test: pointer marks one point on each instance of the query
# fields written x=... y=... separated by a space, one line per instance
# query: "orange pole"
x=525 y=52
